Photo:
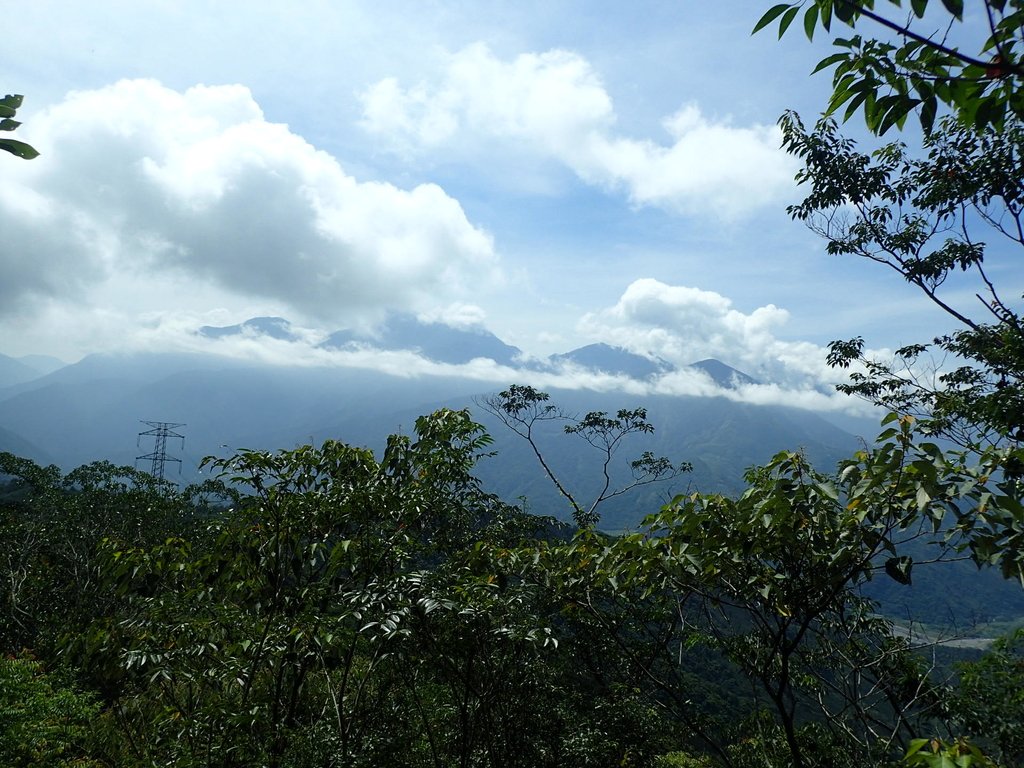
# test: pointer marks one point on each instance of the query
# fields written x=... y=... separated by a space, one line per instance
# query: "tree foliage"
x=772 y=581
x=951 y=219
x=43 y=722
x=990 y=701
x=524 y=410
x=924 y=59
x=9 y=106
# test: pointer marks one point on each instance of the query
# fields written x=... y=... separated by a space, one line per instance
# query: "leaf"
x=927 y=114
x=12 y=102
x=829 y=61
x=845 y=11
x=770 y=15
x=19 y=148
x=787 y=19
x=8 y=125
x=955 y=7
x=898 y=568
x=811 y=21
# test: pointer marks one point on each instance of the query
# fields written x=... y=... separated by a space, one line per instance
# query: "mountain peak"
x=437 y=341
x=723 y=375
x=274 y=327
x=613 y=360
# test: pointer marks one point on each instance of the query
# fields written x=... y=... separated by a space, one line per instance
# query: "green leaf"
x=6 y=111
x=845 y=11
x=854 y=105
x=829 y=61
x=770 y=15
x=787 y=19
x=898 y=568
x=955 y=7
x=19 y=148
x=919 y=7
x=811 y=21
x=13 y=102
x=8 y=125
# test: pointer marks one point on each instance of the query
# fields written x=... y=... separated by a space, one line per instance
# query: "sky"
x=559 y=173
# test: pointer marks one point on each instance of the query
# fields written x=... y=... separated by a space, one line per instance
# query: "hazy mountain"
x=93 y=409
x=613 y=360
x=274 y=327
x=14 y=371
x=720 y=437
x=723 y=375
x=11 y=442
x=44 y=364
x=436 y=341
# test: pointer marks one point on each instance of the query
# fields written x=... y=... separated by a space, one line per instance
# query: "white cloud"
x=677 y=323
x=141 y=184
x=555 y=104
x=683 y=325
x=457 y=315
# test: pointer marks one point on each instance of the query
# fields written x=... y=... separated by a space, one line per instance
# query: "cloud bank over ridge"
x=677 y=324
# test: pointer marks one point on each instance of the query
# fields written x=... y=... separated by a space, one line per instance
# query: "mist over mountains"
x=94 y=408
x=442 y=343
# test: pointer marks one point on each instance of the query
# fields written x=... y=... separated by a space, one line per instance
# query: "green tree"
x=929 y=58
x=945 y=217
x=990 y=700
x=938 y=221
x=9 y=106
x=43 y=723
x=769 y=583
x=53 y=524
x=335 y=620
x=524 y=410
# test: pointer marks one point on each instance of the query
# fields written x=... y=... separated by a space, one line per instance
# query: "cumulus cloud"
x=141 y=182
x=683 y=325
x=555 y=104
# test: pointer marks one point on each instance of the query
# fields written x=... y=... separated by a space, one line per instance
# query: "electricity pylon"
x=161 y=430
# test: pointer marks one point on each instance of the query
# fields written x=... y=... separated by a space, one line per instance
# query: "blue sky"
x=558 y=172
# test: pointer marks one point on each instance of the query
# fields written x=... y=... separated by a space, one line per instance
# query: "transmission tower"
x=161 y=430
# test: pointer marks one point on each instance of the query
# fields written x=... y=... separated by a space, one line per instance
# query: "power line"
x=161 y=430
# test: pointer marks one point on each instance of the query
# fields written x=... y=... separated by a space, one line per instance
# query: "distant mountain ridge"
x=274 y=327
x=443 y=343
x=93 y=410
x=18 y=370
x=723 y=375
x=613 y=360
x=436 y=341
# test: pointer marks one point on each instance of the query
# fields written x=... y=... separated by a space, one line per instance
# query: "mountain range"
x=95 y=409
x=442 y=343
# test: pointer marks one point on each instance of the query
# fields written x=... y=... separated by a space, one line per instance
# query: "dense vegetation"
x=326 y=607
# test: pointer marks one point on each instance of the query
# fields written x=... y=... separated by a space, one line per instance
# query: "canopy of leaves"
x=923 y=59
x=954 y=215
